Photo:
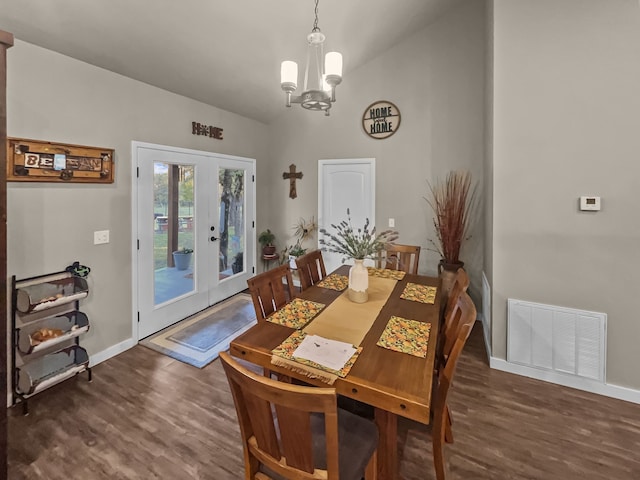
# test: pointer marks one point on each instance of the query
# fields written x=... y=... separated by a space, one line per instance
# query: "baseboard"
x=605 y=389
x=116 y=349
x=487 y=341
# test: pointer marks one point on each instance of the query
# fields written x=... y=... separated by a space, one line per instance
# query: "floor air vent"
x=557 y=339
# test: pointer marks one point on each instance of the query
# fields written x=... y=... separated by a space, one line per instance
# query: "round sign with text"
x=381 y=119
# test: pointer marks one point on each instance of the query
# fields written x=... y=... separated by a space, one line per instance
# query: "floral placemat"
x=386 y=273
x=334 y=282
x=406 y=336
x=419 y=293
x=297 y=313
x=282 y=356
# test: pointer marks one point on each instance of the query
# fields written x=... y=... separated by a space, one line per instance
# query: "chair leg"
x=448 y=431
x=371 y=472
x=440 y=421
x=438 y=456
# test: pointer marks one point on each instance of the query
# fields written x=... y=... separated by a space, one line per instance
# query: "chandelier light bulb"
x=289 y=75
x=333 y=64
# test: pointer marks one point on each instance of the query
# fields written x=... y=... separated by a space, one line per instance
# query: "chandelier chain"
x=315 y=23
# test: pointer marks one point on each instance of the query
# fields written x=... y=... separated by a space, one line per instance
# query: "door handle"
x=213 y=239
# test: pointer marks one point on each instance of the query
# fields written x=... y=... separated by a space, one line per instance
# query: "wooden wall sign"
x=40 y=161
x=381 y=119
x=206 y=130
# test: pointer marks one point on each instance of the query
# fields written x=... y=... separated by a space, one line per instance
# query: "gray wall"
x=436 y=79
x=566 y=123
x=56 y=98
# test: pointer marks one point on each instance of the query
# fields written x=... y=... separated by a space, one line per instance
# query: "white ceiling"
x=225 y=53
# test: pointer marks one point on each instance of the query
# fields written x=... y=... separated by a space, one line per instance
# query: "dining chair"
x=460 y=286
x=401 y=257
x=294 y=432
x=270 y=290
x=464 y=312
x=310 y=268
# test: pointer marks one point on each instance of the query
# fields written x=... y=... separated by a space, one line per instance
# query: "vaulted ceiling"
x=225 y=53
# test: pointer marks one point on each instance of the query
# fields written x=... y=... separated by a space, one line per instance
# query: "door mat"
x=197 y=340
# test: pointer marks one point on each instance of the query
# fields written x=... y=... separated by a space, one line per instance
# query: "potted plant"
x=293 y=253
x=238 y=263
x=266 y=239
x=357 y=244
x=303 y=230
x=182 y=258
x=451 y=201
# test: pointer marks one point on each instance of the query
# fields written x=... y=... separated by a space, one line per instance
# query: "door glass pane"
x=231 y=201
x=173 y=238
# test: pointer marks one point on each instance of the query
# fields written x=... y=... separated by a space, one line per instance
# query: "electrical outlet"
x=392 y=222
x=101 y=237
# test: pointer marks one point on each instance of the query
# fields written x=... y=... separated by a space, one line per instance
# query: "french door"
x=194 y=231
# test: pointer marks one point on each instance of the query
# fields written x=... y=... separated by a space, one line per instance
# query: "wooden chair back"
x=310 y=268
x=401 y=257
x=464 y=312
x=270 y=290
x=460 y=286
x=282 y=442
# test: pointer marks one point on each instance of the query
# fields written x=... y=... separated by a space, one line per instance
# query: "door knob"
x=213 y=239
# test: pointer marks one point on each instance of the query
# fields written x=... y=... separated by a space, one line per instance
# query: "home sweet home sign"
x=381 y=119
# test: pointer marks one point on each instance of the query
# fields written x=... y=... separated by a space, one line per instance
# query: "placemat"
x=406 y=336
x=334 y=282
x=282 y=356
x=419 y=293
x=296 y=314
x=386 y=273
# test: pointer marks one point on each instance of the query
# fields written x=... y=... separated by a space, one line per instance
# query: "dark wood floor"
x=147 y=416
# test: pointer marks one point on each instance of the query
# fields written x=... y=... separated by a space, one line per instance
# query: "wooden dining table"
x=394 y=383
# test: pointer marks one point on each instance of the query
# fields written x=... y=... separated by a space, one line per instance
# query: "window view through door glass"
x=173 y=231
x=231 y=198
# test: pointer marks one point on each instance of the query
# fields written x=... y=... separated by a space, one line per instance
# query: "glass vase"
x=358 y=282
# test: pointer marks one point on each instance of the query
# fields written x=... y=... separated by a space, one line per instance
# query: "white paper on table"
x=329 y=353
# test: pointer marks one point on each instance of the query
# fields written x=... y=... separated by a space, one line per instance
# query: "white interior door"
x=345 y=184
x=201 y=202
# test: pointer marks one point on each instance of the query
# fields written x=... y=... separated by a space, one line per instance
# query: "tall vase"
x=358 y=282
x=447 y=271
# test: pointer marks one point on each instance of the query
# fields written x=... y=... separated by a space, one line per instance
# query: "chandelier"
x=320 y=79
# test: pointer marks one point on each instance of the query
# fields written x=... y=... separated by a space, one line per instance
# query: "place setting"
x=296 y=314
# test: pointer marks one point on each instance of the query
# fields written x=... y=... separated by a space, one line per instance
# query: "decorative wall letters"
x=206 y=130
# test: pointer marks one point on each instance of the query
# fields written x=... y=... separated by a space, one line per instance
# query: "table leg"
x=387 y=423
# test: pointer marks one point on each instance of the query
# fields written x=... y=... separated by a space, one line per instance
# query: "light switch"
x=590 y=203
x=100 y=237
x=392 y=222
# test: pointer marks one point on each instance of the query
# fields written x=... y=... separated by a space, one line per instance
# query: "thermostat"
x=590 y=204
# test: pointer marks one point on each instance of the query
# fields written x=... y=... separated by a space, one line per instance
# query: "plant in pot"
x=238 y=263
x=266 y=239
x=182 y=258
x=451 y=201
x=291 y=253
x=357 y=244
x=303 y=230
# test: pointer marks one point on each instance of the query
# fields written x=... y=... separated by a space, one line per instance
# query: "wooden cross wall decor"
x=292 y=175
